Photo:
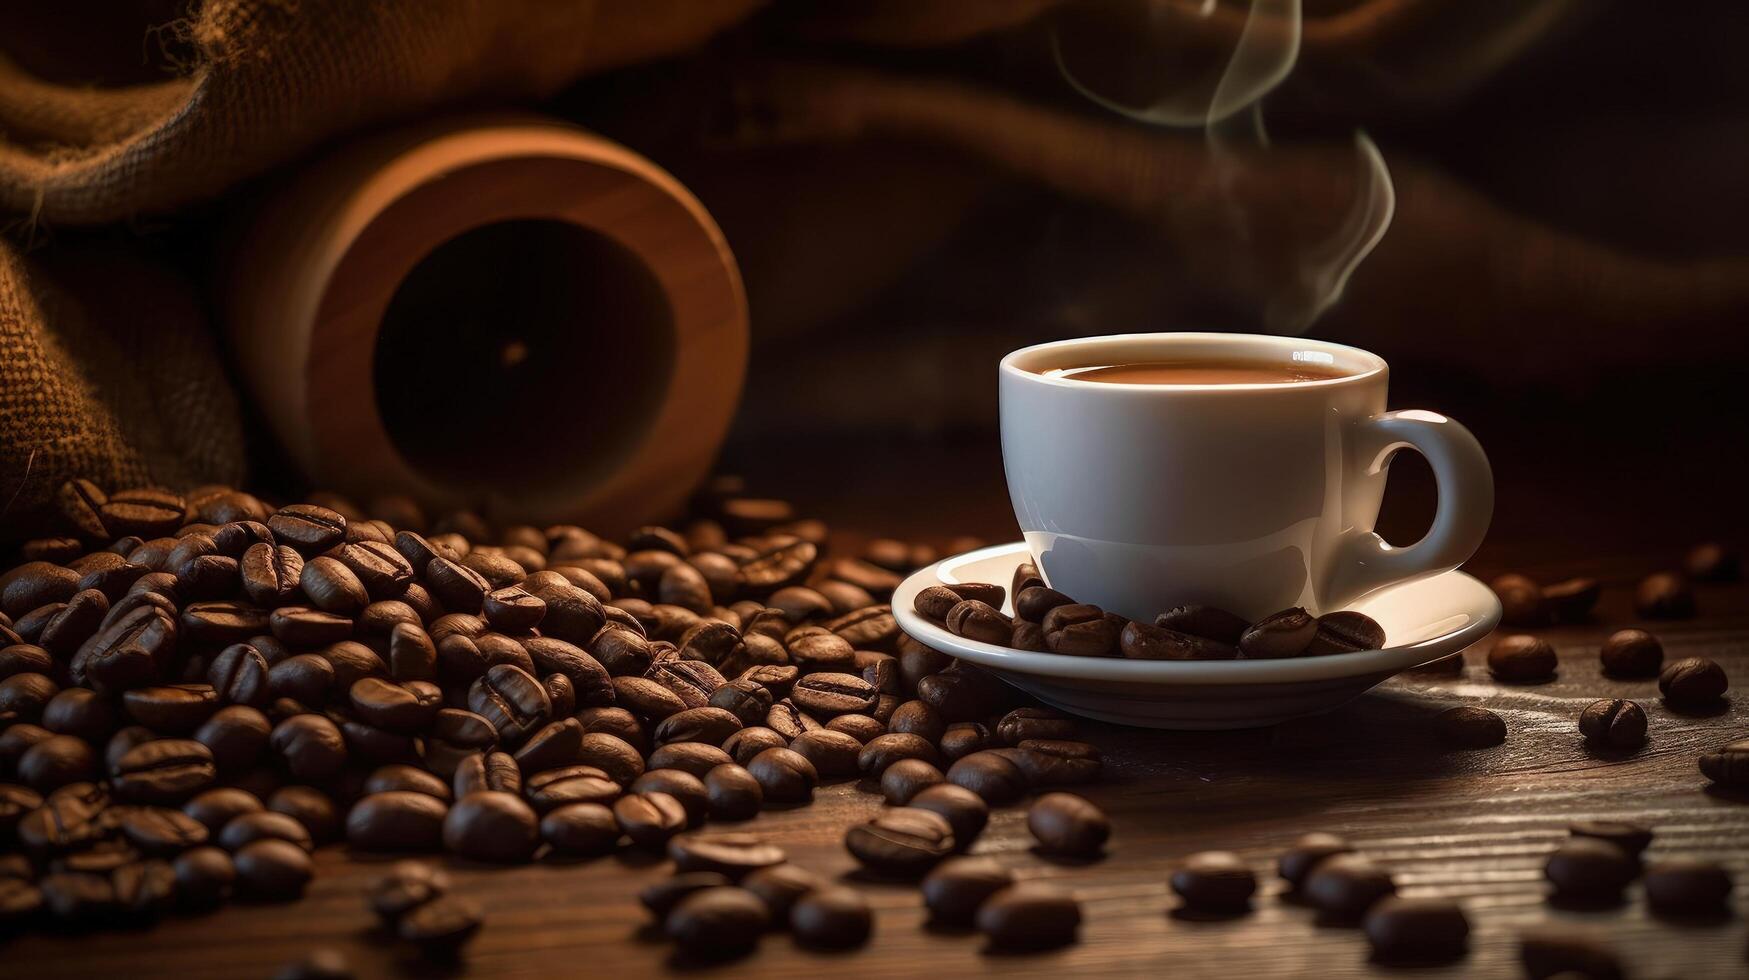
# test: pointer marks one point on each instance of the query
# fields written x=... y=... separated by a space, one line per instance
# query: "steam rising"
x=1295 y=264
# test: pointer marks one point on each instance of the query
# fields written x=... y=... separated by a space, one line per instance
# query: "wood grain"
x=1471 y=825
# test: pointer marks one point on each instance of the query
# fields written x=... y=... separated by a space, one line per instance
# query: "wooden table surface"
x=1471 y=825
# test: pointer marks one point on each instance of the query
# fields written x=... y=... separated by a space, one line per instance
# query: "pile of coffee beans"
x=198 y=691
x=1047 y=620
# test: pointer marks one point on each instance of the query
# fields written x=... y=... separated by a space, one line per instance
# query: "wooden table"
x=1471 y=825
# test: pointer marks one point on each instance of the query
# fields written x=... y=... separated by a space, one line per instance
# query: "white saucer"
x=1423 y=620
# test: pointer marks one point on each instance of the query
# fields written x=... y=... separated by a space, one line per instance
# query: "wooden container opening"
x=543 y=347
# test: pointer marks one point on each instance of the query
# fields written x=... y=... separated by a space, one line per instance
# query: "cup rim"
x=1374 y=365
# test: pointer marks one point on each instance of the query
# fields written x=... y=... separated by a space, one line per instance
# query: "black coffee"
x=1200 y=371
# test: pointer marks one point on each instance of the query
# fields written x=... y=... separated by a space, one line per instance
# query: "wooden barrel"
x=503 y=313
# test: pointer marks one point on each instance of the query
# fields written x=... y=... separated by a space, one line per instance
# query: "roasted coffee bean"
x=693 y=757
x=166 y=771
x=238 y=674
x=1080 y=630
x=903 y=843
x=647 y=698
x=1692 y=683
x=554 y=745
x=979 y=621
x=412 y=655
x=216 y=807
x=332 y=587
x=800 y=604
x=1345 y=631
x=15 y=802
x=1522 y=659
x=785 y=776
x=223 y=621
x=717 y=923
x=733 y=793
x=70 y=817
x=934 y=602
x=612 y=755
x=145 y=888
x=311 y=807
x=662 y=896
x=957 y=887
x=1298 y=861
x=863 y=728
x=779 y=566
x=1069 y=825
x=1344 y=886
x=884 y=750
x=80 y=711
x=1208 y=622
x=1573 y=600
x=1632 y=653
x=686 y=788
x=78 y=896
x=1521 y=601
x=834 y=917
x=25 y=695
x=399 y=776
x=1631 y=838
x=693 y=681
x=711 y=641
x=613 y=721
x=207 y=577
x=779 y=679
x=1035 y=723
x=906 y=778
x=302 y=626
x=204 y=876
x=1416 y=930
x=80 y=502
x=271 y=573
x=962 y=694
x=731 y=855
x=1057 y=762
x=111 y=578
x=870 y=628
x=876 y=581
x=1140 y=641
x=512 y=700
x=707 y=724
x=307 y=527
x=963 y=809
x=827 y=694
x=441 y=926
x=129 y=648
x=746 y=699
x=397 y=820
x=749 y=742
x=306 y=678
x=963 y=739
x=458 y=587
x=580 y=829
x=1687 y=887
x=25 y=658
x=310 y=746
x=17 y=739
x=1029 y=916
x=1214 y=883
x=1586 y=871
x=991 y=775
x=788 y=720
x=491 y=826
x=553 y=788
x=274 y=870
x=1288 y=633
x=649 y=819
x=917 y=718
x=1664 y=595
x=236 y=537
x=407 y=708
x=1713 y=562
x=75 y=623
x=34 y=585
x=1614 y=723
x=1728 y=766
x=57 y=761
x=815 y=649
x=833 y=754
x=263 y=825
x=322 y=963
x=1548 y=952
x=1469 y=727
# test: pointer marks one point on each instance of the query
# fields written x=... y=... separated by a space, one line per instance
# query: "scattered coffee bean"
x=1687 y=887
x=784 y=776
x=1522 y=659
x=1521 y=601
x=1728 y=766
x=1587 y=871
x=957 y=887
x=780 y=887
x=271 y=869
x=408 y=885
x=1613 y=723
x=903 y=843
x=1632 y=653
x=491 y=826
x=1632 y=838
x=1029 y=916
x=1345 y=631
x=965 y=811
x=1548 y=952
x=1284 y=634
x=1416 y=930
x=204 y=876
x=732 y=855
x=1081 y=630
x=1664 y=595
x=396 y=820
x=1469 y=727
x=733 y=792
x=1214 y=882
x=717 y=923
x=661 y=896
x=980 y=621
x=1693 y=683
x=1713 y=562
x=649 y=819
x=581 y=829
x=906 y=778
x=1068 y=825
x=441 y=926
x=1344 y=886
x=1298 y=861
x=831 y=918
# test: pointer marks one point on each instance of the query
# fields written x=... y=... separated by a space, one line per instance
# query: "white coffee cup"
x=1250 y=497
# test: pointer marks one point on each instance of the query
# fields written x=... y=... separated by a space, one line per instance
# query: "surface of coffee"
x=1201 y=371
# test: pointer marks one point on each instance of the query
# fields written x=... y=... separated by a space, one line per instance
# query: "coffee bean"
x=1080 y=630
x=1631 y=838
x=906 y=778
x=25 y=658
x=1417 y=930
x=1288 y=633
x=876 y=581
x=204 y=875
x=1344 y=886
x=831 y=918
x=1521 y=601
x=307 y=527
x=1057 y=762
x=80 y=502
x=707 y=724
x=1522 y=659
x=1728 y=766
x=917 y=718
x=732 y=855
x=223 y=621
x=302 y=626
x=1548 y=952
x=68 y=818
x=1614 y=723
x=902 y=843
x=688 y=789
x=696 y=758
x=1215 y=883
x=936 y=601
x=663 y=895
x=1573 y=600
x=1034 y=723
x=1713 y=562
x=827 y=694
x=441 y=926
x=693 y=681
x=580 y=829
x=25 y=695
x=310 y=745
x=158 y=830
x=716 y=923
x=746 y=699
x=1298 y=861
x=1687 y=887
x=649 y=819
x=1664 y=595
x=392 y=777
x=57 y=761
x=310 y=807
x=397 y=820
x=1345 y=631
x=238 y=674
x=957 y=887
x=749 y=742
x=780 y=887
x=1469 y=727
x=1026 y=575
x=788 y=720
x=490 y=826
x=1140 y=641
x=979 y=621
x=963 y=739
x=779 y=566
x=647 y=698
x=512 y=700
x=785 y=776
x=1029 y=916
x=274 y=870
x=1692 y=683
x=78 y=896
x=612 y=755
x=165 y=771
x=80 y=711
x=554 y=788
x=1586 y=871
x=1632 y=653
x=1068 y=825
x=990 y=775
x=833 y=754
x=964 y=693
x=217 y=807
x=262 y=825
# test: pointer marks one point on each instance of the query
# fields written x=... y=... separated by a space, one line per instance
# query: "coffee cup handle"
x=1466 y=501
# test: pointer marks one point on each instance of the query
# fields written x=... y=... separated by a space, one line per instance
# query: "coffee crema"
x=1204 y=371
